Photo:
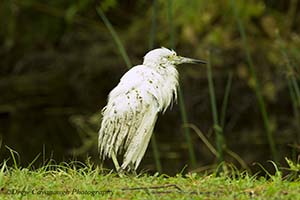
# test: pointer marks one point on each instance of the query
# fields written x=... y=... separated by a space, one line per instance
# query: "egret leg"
x=115 y=161
x=132 y=168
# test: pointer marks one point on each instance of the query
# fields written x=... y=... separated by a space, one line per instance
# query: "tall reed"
x=257 y=87
x=294 y=90
x=217 y=128
x=293 y=82
x=225 y=101
x=115 y=37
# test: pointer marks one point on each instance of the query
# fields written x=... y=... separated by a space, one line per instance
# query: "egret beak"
x=191 y=60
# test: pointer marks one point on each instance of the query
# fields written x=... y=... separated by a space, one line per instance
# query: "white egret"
x=133 y=105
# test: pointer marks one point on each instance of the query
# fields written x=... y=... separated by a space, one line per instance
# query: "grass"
x=81 y=181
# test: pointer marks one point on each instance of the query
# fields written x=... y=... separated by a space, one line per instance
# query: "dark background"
x=58 y=62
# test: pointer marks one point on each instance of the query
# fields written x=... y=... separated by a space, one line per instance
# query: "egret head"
x=163 y=56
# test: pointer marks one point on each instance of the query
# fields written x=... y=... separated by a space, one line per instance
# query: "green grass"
x=79 y=181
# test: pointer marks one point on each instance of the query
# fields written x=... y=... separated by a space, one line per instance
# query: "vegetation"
x=80 y=181
x=60 y=59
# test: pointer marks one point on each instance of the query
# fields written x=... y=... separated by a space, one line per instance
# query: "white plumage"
x=133 y=105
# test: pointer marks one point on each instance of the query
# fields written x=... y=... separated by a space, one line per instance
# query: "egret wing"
x=129 y=117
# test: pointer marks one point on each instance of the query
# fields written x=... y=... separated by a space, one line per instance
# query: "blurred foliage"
x=58 y=62
x=107 y=4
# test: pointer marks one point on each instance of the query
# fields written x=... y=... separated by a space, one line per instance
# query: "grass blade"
x=204 y=139
x=225 y=101
x=293 y=82
x=2 y=173
x=115 y=37
x=156 y=153
x=257 y=89
x=293 y=98
x=12 y=153
x=217 y=128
